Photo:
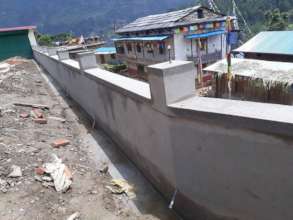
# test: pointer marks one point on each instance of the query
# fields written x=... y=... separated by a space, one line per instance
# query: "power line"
x=235 y=8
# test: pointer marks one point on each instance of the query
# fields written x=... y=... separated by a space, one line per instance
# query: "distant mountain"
x=80 y=16
x=100 y=16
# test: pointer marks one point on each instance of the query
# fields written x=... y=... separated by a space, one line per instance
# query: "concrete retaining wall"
x=227 y=159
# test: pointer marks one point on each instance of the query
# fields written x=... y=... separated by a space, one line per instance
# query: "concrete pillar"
x=87 y=60
x=171 y=82
x=43 y=49
x=63 y=54
x=52 y=51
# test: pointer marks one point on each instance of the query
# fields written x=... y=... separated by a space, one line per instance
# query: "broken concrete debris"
x=4 y=185
x=24 y=115
x=104 y=168
x=40 y=171
x=60 y=143
x=62 y=120
x=56 y=172
x=40 y=120
x=74 y=216
x=4 y=67
x=120 y=186
x=37 y=113
x=16 y=172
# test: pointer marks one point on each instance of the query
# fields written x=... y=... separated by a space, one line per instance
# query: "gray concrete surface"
x=63 y=54
x=227 y=159
x=87 y=60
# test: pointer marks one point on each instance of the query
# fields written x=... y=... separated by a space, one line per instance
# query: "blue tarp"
x=232 y=38
x=207 y=34
x=106 y=50
x=150 y=38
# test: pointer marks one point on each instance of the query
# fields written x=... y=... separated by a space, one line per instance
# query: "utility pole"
x=229 y=64
x=199 y=63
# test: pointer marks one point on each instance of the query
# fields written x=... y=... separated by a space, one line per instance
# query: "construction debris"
x=120 y=186
x=59 y=173
x=60 y=143
x=62 y=120
x=37 y=113
x=4 y=185
x=4 y=68
x=104 y=168
x=16 y=172
x=40 y=120
x=44 y=107
x=40 y=171
x=74 y=216
x=24 y=115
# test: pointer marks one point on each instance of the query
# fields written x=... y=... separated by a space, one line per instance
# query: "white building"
x=195 y=34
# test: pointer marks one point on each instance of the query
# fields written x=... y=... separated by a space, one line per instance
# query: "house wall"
x=180 y=47
x=228 y=160
x=32 y=38
x=217 y=43
x=133 y=58
x=15 y=43
x=107 y=58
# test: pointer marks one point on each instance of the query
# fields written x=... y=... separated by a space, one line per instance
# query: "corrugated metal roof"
x=148 y=38
x=270 y=42
x=165 y=20
x=257 y=69
x=17 y=28
x=207 y=34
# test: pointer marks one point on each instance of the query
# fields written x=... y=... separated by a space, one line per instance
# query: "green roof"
x=269 y=42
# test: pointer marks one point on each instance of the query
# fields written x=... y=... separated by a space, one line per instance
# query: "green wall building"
x=17 y=41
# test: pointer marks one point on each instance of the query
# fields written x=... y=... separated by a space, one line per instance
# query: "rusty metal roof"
x=166 y=20
x=22 y=28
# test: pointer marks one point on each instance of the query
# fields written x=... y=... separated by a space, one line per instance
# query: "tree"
x=44 y=40
x=277 y=20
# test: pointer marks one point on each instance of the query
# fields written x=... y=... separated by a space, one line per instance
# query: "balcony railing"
x=207 y=58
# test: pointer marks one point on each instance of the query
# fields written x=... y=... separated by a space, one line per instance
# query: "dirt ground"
x=28 y=145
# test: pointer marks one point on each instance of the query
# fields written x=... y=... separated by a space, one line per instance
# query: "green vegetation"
x=115 y=68
x=261 y=14
x=48 y=40
x=276 y=20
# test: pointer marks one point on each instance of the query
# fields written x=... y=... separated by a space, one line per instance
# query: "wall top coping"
x=167 y=65
x=86 y=53
x=135 y=86
x=72 y=63
x=246 y=109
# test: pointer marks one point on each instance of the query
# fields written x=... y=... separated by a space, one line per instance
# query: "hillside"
x=254 y=10
x=80 y=16
x=100 y=16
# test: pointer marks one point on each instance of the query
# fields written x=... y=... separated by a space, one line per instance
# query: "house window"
x=203 y=44
x=162 y=48
x=120 y=49
x=113 y=56
x=138 y=48
x=103 y=60
x=129 y=47
x=149 y=48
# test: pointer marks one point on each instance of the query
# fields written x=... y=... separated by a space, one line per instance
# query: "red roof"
x=17 y=28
